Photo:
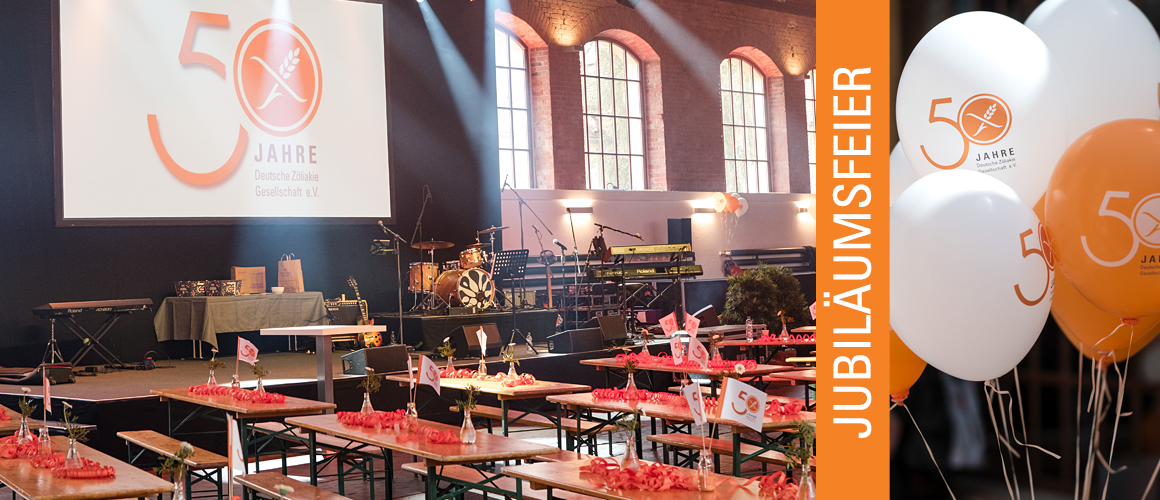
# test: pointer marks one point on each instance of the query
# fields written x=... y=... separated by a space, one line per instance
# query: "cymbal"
x=477 y=245
x=491 y=229
x=432 y=245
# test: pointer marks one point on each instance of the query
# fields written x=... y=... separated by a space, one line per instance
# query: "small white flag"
x=691 y=324
x=47 y=391
x=692 y=393
x=429 y=373
x=814 y=310
x=669 y=324
x=247 y=351
x=410 y=372
x=676 y=348
x=482 y=335
x=698 y=353
x=740 y=402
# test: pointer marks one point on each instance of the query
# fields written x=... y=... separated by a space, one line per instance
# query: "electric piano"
x=64 y=311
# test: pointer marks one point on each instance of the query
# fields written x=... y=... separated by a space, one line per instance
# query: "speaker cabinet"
x=708 y=316
x=680 y=231
x=466 y=342
x=385 y=359
x=613 y=330
x=582 y=340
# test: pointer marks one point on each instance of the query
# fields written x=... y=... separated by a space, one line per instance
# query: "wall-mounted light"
x=703 y=210
x=804 y=214
x=578 y=210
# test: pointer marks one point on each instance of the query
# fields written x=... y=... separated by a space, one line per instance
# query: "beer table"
x=324 y=349
x=506 y=395
x=799 y=376
x=38 y=484
x=680 y=413
x=247 y=413
x=487 y=448
x=760 y=370
x=773 y=341
x=805 y=329
x=567 y=476
x=12 y=424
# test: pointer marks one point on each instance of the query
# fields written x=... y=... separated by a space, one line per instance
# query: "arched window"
x=812 y=126
x=746 y=135
x=512 y=105
x=613 y=116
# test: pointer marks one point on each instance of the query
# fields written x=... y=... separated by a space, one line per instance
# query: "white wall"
x=771 y=222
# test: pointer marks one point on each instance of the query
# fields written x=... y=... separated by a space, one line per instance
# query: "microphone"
x=638 y=237
x=561 y=245
x=382 y=226
x=536 y=229
x=505 y=184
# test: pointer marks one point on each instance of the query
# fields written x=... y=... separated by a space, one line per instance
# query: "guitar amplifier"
x=346 y=312
x=59 y=373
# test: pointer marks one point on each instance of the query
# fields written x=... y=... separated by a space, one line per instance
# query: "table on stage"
x=715 y=375
x=567 y=476
x=246 y=413
x=202 y=318
x=38 y=484
x=680 y=413
x=505 y=395
x=324 y=349
x=487 y=448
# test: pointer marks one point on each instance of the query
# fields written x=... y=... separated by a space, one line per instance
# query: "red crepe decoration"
x=645 y=360
x=501 y=377
x=643 y=396
x=47 y=461
x=10 y=449
x=777 y=486
x=378 y=419
x=238 y=394
x=398 y=420
x=607 y=473
x=793 y=339
x=774 y=407
x=88 y=470
x=417 y=432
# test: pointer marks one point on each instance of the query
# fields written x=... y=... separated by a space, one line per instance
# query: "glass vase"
x=236 y=384
x=715 y=354
x=179 y=487
x=482 y=370
x=512 y=371
x=450 y=364
x=412 y=413
x=72 y=460
x=24 y=435
x=630 y=391
x=784 y=334
x=212 y=382
x=806 y=484
x=261 y=390
x=629 y=460
x=44 y=447
x=367 y=409
x=705 y=479
x=467 y=433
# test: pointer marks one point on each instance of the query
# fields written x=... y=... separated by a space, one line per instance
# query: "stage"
x=425 y=332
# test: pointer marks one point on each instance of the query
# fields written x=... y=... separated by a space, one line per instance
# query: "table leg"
x=311 y=445
x=389 y=468
x=503 y=405
x=245 y=446
x=560 y=429
x=432 y=483
x=736 y=454
x=639 y=445
x=324 y=347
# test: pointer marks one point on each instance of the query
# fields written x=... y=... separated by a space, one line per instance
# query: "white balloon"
x=901 y=175
x=1109 y=55
x=742 y=206
x=980 y=92
x=964 y=294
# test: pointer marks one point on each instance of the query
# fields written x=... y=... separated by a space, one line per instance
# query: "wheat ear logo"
x=277 y=77
x=985 y=119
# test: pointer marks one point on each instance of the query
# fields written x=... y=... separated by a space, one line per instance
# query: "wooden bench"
x=266 y=483
x=561 y=456
x=705 y=393
x=718 y=447
x=345 y=452
x=203 y=465
x=530 y=419
x=533 y=490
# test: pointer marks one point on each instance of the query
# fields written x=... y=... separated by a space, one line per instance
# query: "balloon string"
x=999 y=392
x=1119 y=408
x=928 y=450
x=999 y=439
x=1078 y=406
x=1151 y=481
x=1094 y=435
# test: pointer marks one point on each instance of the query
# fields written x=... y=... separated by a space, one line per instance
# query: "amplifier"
x=60 y=373
x=346 y=312
x=385 y=359
x=466 y=341
x=582 y=340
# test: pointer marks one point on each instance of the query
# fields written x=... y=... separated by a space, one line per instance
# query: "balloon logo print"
x=1146 y=219
x=1145 y=225
x=1044 y=252
x=985 y=119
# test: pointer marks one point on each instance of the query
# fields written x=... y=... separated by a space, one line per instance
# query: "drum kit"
x=465 y=282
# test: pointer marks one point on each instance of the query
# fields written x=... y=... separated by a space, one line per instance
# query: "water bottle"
x=749 y=329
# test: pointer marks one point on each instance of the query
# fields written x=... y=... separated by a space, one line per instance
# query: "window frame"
x=810 y=92
x=643 y=98
x=765 y=128
x=528 y=100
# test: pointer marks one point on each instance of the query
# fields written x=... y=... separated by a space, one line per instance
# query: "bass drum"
x=466 y=288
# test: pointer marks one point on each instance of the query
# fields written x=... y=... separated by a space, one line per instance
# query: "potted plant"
x=371 y=385
x=175 y=466
x=760 y=293
x=260 y=372
x=509 y=356
x=75 y=433
x=467 y=432
x=448 y=352
x=24 y=435
x=630 y=424
x=213 y=364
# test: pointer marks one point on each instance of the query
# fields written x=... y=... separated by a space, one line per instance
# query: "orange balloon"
x=1086 y=326
x=731 y=203
x=1103 y=215
x=905 y=368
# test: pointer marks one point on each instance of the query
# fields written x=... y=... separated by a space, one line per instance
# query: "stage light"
x=629 y=3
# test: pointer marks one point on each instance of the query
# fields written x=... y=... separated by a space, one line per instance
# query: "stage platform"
x=424 y=331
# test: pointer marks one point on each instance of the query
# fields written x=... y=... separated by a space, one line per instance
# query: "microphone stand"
x=398 y=269
x=576 y=277
x=523 y=204
x=603 y=227
x=419 y=231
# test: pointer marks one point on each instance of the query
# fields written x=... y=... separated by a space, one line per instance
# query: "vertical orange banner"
x=853 y=212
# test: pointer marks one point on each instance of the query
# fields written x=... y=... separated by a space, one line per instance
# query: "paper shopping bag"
x=290 y=274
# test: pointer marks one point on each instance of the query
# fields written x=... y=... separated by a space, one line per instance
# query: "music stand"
x=384 y=247
x=511 y=265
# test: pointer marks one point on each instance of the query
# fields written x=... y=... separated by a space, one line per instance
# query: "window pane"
x=607 y=98
x=595 y=172
x=726 y=108
x=519 y=82
x=633 y=67
x=594 y=134
x=725 y=75
x=636 y=137
x=605 y=58
x=738 y=109
x=739 y=142
x=610 y=177
x=759 y=109
x=728 y=136
x=730 y=176
x=813 y=147
x=762 y=145
x=763 y=177
x=638 y=180
x=523 y=166
x=742 y=179
x=608 y=130
x=735 y=65
x=750 y=143
x=505 y=129
x=503 y=88
x=746 y=76
x=809 y=87
x=590 y=59
x=634 y=99
x=518 y=59
x=758 y=82
x=520 y=129
x=623 y=172
x=810 y=125
x=622 y=136
x=621 y=88
x=592 y=92
x=618 y=69
x=501 y=48
x=749 y=109
x=506 y=165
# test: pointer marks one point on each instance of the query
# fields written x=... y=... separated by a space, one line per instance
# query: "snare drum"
x=423 y=276
x=473 y=256
x=450 y=265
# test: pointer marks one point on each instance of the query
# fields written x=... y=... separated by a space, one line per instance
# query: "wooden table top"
x=38 y=484
x=744 y=343
x=805 y=329
x=324 y=330
x=799 y=375
x=612 y=363
x=12 y=424
x=679 y=412
x=567 y=476
x=538 y=390
x=724 y=329
x=487 y=447
x=246 y=409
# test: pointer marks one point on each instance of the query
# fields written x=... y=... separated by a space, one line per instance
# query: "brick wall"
x=683 y=114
